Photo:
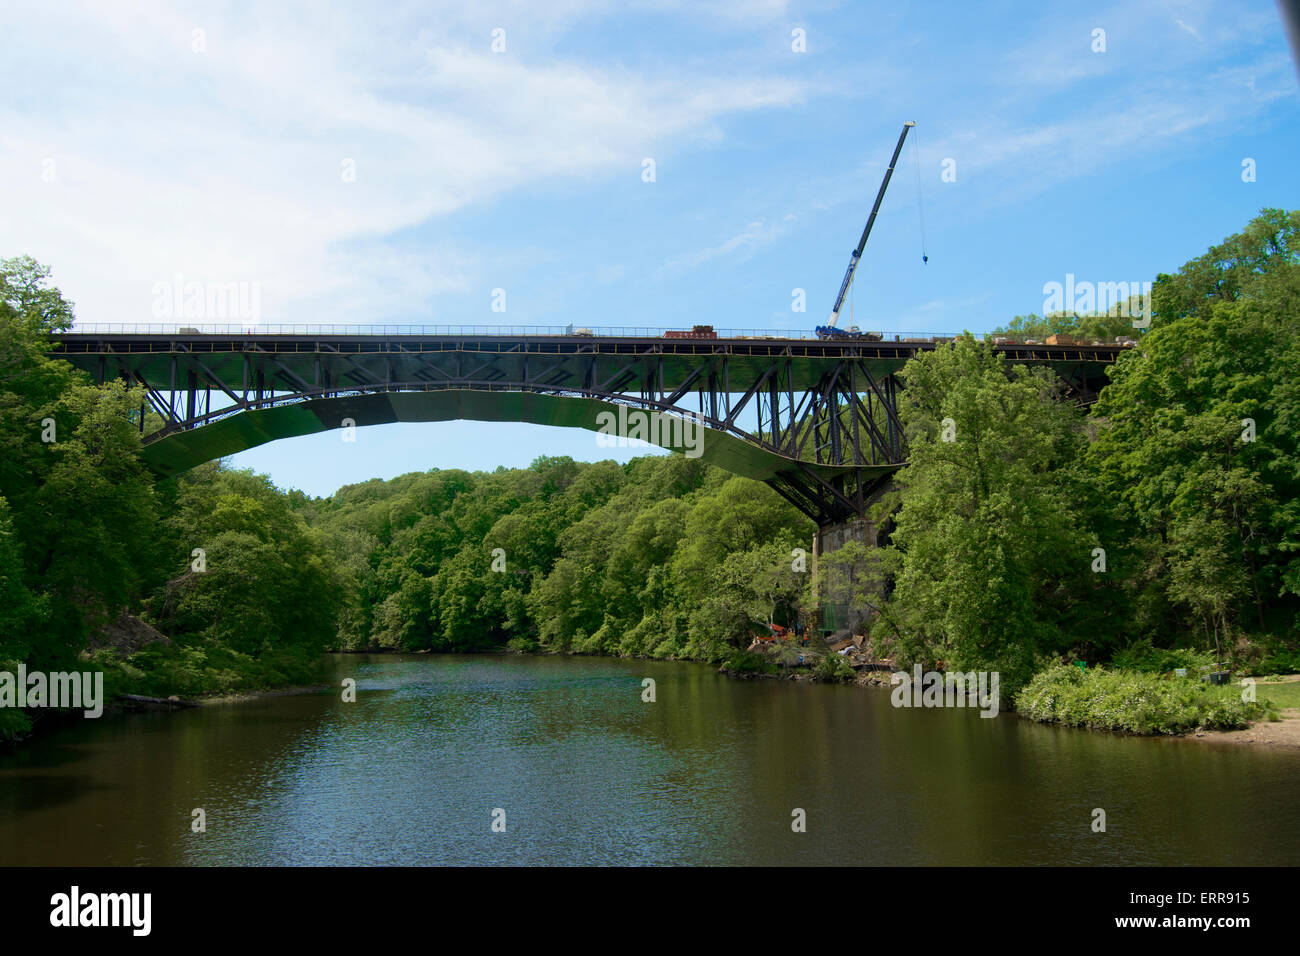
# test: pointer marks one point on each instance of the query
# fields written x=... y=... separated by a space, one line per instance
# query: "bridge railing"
x=520 y=331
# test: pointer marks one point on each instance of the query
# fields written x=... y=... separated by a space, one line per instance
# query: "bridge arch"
x=233 y=429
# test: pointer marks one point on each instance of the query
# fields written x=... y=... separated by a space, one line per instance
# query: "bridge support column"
x=841 y=593
x=833 y=537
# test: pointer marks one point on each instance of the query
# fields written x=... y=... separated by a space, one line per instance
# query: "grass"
x=1286 y=694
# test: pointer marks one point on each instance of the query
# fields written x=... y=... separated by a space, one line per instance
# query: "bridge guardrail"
x=236 y=328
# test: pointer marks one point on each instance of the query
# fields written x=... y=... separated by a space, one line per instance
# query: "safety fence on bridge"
x=526 y=331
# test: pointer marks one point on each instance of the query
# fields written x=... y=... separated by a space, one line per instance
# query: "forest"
x=1159 y=527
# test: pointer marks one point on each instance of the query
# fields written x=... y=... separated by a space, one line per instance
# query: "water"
x=589 y=774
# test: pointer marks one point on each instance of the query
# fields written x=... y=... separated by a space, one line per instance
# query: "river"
x=588 y=773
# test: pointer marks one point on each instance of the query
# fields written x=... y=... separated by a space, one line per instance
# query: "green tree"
x=1197 y=445
x=989 y=552
x=1243 y=265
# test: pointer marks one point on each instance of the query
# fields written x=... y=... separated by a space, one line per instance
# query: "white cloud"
x=227 y=164
x=756 y=235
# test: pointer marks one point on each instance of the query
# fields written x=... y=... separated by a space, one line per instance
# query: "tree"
x=79 y=500
x=1242 y=265
x=1197 y=441
x=989 y=553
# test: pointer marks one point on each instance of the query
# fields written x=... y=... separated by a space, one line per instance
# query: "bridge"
x=816 y=419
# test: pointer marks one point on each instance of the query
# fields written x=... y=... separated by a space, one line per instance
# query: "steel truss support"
x=836 y=432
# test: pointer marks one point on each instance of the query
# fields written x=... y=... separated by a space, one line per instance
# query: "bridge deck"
x=362 y=358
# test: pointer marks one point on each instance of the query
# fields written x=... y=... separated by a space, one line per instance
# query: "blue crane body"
x=829 y=330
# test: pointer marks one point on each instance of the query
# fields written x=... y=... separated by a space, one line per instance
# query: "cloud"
x=290 y=149
x=756 y=235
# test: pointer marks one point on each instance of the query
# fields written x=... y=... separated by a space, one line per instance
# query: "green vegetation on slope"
x=86 y=534
x=1168 y=516
x=662 y=557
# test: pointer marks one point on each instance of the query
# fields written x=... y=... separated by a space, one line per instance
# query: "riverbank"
x=244 y=696
x=53 y=721
x=1281 y=734
x=1267 y=725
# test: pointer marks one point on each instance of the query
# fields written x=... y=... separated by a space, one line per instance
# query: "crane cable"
x=920 y=195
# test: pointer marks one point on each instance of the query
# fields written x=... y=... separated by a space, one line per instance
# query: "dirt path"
x=1283 y=734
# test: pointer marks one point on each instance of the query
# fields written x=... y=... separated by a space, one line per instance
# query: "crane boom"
x=871 y=220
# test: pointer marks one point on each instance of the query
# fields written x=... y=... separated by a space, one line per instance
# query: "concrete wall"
x=831 y=539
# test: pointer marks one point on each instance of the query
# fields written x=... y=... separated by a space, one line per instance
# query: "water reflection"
x=588 y=773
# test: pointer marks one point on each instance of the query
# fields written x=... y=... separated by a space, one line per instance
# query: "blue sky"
x=137 y=149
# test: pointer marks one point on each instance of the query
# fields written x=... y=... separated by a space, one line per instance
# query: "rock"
x=126 y=635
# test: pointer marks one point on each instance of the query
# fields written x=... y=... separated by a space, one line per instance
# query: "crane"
x=828 y=330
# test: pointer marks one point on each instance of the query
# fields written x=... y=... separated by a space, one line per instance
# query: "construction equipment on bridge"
x=829 y=331
x=696 y=332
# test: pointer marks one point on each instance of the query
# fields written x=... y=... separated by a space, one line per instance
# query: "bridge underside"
x=817 y=421
x=826 y=493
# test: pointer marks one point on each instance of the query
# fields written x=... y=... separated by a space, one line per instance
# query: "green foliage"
x=1197 y=446
x=749 y=662
x=188 y=670
x=1281 y=661
x=86 y=533
x=78 y=499
x=1135 y=702
x=1089 y=326
x=833 y=668
x=21 y=609
x=991 y=553
x=261 y=559
x=1246 y=265
x=663 y=557
x=1141 y=656
x=1186 y=473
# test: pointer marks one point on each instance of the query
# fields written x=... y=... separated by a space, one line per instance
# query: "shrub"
x=833 y=667
x=1141 y=656
x=666 y=649
x=14 y=725
x=748 y=662
x=188 y=670
x=1134 y=701
x=584 y=644
x=1280 y=661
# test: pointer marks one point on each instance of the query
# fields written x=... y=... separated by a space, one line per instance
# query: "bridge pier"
x=833 y=537
x=838 y=596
